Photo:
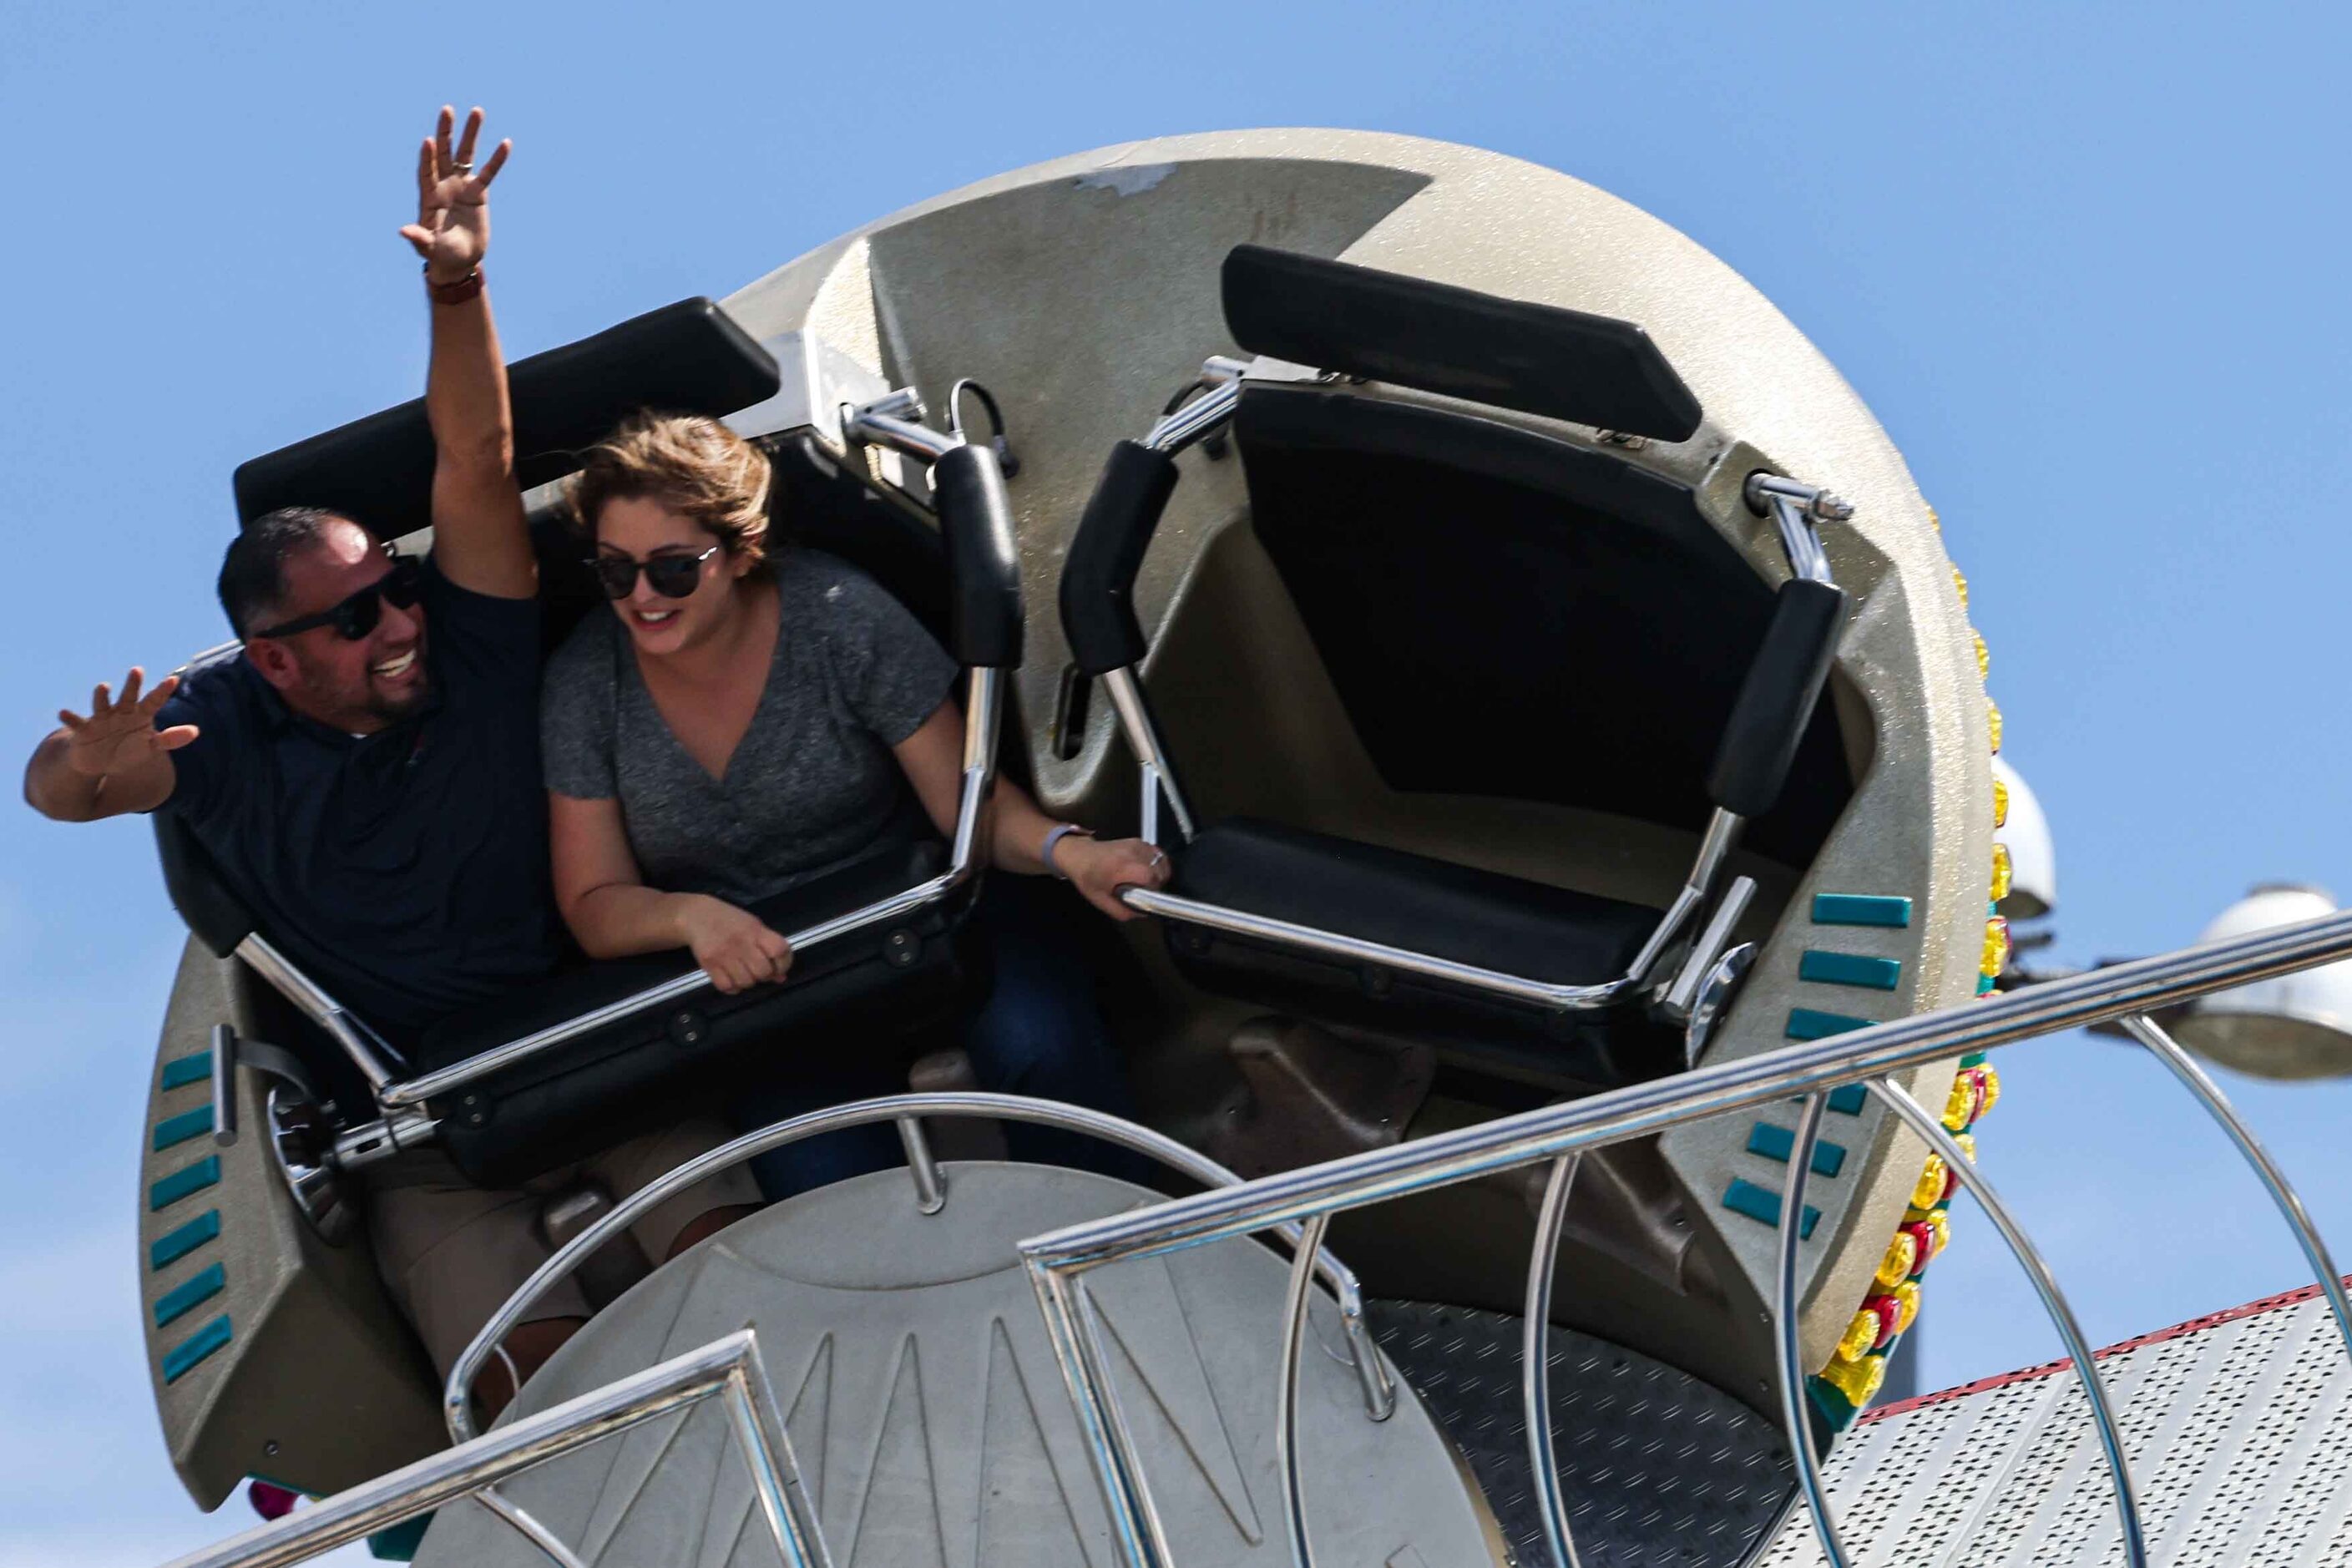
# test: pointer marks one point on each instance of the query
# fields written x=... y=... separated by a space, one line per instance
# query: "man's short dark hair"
x=253 y=573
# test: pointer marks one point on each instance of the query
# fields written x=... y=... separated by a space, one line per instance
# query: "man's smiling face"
x=358 y=685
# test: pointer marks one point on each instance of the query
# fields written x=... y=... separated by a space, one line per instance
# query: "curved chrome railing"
x=727 y=1369
x=1557 y=1134
x=908 y=1111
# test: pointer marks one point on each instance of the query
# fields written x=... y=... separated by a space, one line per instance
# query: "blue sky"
x=2085 y=262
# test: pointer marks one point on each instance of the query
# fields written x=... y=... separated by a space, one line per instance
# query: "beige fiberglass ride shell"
x=1085 y=290
x=273 y=1354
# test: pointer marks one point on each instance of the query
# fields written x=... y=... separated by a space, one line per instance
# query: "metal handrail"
x=1545 y=1134
x=1057 y=1261
x=727 y=1369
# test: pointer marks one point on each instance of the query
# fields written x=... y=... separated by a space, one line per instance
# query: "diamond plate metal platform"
x=1659 y=1469
x=2239 y=1434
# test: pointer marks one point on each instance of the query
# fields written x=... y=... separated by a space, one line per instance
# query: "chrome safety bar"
x=457 y=1394
x=1058 y=1261
x=367 y=1049
x=1201 y=417
x=1795 y=507
x=727 y=1369
x=983 y=704
x=1159 y=780
x=895 y=420
x=1715 y=844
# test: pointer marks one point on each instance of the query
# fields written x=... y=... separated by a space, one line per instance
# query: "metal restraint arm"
x=976 y=522
x=1099 y=579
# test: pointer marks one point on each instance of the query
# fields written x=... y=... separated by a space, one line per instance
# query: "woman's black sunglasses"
x=354 y=617
x=671 y=576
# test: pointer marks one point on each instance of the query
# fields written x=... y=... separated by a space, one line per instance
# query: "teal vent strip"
x=182 y=1358
x=399 y=1542
x=181 y=1128
x=188 y=1295
x=1860 y=910
x=181 y=1072
x=171 y=1248
x=1805 y=1024
x=1779 y=1142
x=1850 y=969
x=180 y=1183
x=1744 y=1197
x=1847 y=1100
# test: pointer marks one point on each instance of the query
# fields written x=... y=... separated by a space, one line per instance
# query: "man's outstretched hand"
x=120 y=736
x=453 y=200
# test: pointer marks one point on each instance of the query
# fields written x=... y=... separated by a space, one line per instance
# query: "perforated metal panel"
x=2238 y=1429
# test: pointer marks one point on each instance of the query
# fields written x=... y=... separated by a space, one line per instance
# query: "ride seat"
x=1475 y=588
x=552 y=1070
x=1399 y=899
x=1458 y=913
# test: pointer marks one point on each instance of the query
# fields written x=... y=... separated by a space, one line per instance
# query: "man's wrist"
x=453 y=290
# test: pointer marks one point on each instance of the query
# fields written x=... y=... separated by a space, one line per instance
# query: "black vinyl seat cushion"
x=1556 y=935
x=863 y=991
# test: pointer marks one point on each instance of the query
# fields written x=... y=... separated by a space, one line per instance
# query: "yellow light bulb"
x=1956 y=1106
x=1999 y=803
x=1902 y=1257
x=2003 y=872
x=1929 y=1189
x=1857 y=1379
x=1934 y=521
x=1996 y=946
x=1860 y=1335
x=1960 y=583
x=1984 y=656
x=1906 y=1306
x=1993 y=722
x=1968 y=1142
x=1941 y=1224
x=1992 y=1088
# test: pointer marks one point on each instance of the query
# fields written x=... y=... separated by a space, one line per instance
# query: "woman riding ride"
x=748 y=718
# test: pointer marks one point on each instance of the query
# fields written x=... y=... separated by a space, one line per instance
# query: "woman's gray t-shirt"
x=811 y=783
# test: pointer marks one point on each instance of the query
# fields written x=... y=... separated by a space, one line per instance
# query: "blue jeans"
x=1038 y=1032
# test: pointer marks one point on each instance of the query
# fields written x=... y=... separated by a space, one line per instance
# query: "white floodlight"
x=2294 y=1026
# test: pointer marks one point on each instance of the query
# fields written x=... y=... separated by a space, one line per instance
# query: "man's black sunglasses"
x=354 y=617
x=671 y=576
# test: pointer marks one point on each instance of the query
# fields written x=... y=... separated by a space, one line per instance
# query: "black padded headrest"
x=687 y=358
x=984 y=560
x=1509 y=354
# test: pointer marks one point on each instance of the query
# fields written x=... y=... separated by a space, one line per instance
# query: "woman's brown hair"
x=696 y=466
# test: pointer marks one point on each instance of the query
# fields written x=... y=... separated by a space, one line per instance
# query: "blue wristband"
x=1060 y=832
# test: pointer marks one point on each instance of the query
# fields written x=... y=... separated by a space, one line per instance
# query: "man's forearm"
x=466 y=399
x=63 y=793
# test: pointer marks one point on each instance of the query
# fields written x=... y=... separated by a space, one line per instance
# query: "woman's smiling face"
x=639 y=529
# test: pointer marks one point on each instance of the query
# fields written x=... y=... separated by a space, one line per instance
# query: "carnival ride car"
x=1551 y=688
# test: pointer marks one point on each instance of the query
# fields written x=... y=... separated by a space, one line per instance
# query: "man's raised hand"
x=453 y=203
x=120 y=736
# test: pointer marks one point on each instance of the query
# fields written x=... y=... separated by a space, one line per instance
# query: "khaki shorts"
x=454 y=1252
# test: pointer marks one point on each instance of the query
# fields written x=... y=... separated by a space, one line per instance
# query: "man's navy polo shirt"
x=404 y=871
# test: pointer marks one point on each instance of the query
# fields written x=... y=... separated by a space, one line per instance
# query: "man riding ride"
x=364 y=771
